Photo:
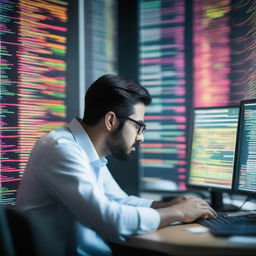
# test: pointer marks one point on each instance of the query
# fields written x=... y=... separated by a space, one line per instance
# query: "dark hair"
x=113 y=93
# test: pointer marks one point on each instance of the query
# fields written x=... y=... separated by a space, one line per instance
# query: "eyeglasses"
x=141 y=125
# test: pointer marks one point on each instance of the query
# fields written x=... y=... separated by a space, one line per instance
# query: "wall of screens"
x=222 y=64
x=33 y=81
x=39 y=72
x=161 y=66
x=224 y=52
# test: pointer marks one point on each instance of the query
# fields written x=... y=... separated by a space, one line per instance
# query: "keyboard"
x=234 y=229
x=226 y=225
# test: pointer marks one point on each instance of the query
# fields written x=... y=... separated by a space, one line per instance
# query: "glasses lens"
x=141 y=125
x=141 y=129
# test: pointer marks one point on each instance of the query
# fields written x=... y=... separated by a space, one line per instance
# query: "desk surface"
x=176 y=240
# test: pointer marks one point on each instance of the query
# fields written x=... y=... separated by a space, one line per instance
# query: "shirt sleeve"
x=114 y=192
x=69 y=179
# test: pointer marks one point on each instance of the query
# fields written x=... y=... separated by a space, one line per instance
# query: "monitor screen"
x=212 y=147
x=245 y=175
x=33 y=82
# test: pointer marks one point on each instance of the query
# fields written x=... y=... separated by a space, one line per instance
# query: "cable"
x=247 y=199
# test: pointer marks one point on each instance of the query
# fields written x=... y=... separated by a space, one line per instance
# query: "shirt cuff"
x=149 y=220
x=137 y=201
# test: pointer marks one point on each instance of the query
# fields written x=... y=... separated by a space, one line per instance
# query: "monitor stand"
x=218 y=205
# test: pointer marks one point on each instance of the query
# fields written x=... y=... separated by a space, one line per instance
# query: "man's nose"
x=140 y=138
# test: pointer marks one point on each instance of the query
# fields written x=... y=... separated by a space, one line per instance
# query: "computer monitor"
x=212 y=151
x=245 y=163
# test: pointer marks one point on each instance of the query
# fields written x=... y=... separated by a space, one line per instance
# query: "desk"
x=175 y=240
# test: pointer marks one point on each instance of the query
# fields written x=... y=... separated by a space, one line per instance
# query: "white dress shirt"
x=73 y=202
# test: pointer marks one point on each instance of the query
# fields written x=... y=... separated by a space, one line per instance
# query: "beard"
x=118 y=146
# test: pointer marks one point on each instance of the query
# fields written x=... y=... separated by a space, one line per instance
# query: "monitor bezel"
x=238 y=150
x=190 y=142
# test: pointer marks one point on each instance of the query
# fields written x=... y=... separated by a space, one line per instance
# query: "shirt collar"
x=86 y=144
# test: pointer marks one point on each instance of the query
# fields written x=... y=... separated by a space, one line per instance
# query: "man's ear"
x=111 y=121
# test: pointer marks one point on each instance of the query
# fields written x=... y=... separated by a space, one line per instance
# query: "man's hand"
x=160 y=204
x=184 y=209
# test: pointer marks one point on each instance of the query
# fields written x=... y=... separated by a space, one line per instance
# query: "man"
x=68 y=192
